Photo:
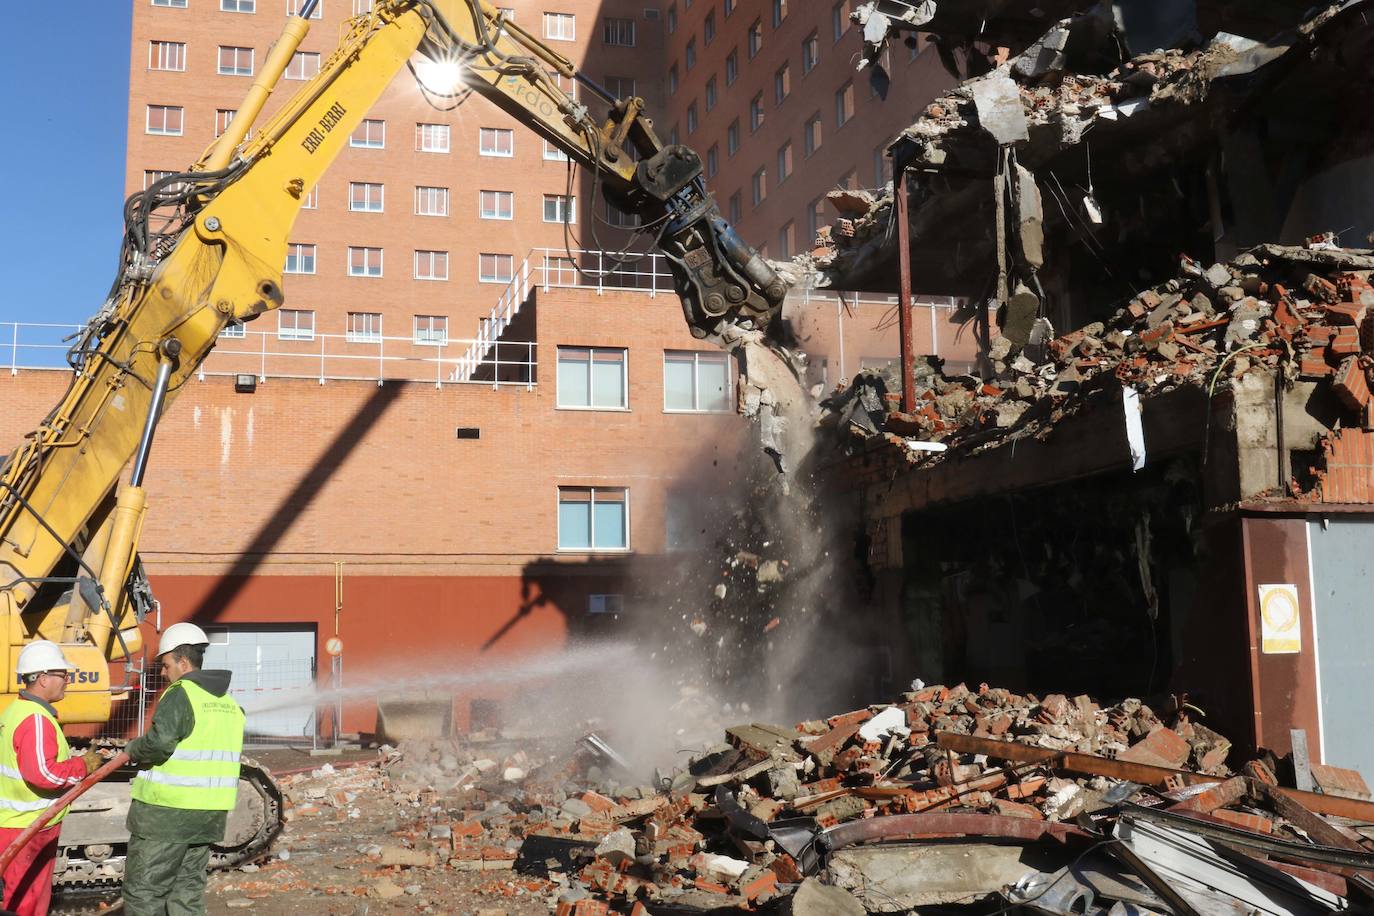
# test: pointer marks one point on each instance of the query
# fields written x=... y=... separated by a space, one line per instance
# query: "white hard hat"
x=42 y=655
x=181 y=634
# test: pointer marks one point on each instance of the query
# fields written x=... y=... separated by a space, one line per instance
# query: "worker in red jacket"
x=36 y=767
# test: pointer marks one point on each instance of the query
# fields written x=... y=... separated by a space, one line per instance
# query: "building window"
x=553 y=153
x=815 y=217
x=672 y=136
x=363 y=327
x=755 y=38
x=839 y=18
x=237 y=6
x=729 y=7
x=696 y=381
x=234 y=329
x=844 y=104
x=592 y=378
x=784 y=161
x=735 y=208
x=619 y=218
x=672 y=18
x=304 y=65
x=178 y=4
x=360 y=7
x=431 y=201
x=432 y=138
x=811 y=134
x=672 y=79
x=882 y=166
x=787 y=240
x=559 y=208
x=430 y=330
x=759 y=184
x=431 y=265
x=711 y=93
x=223 y=118
x=713 y=160
x=811 y=52
x=167 y=55
x=366 y=196
x=311 y=201
x=293 y=8
x=756 y=112
x=850 y=181
x=235 y=61
x=593 y=518
x=622 y=87
x=496 y=141
x=692 y=118
x=371 y=134
x=691 y=54
x=495 y=268
x=782 y=84
x=560 y=26
x=153 y=176
x=165 y=120
x=300 y=258
x=364 y=262
x=295 y=324
x=619 y=32
x=732 y=67
x=779 y=12
x=732 y=138
x=496 y=204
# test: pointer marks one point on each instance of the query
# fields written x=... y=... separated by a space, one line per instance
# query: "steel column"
x=899 y=193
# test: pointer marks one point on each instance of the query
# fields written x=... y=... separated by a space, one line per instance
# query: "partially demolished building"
x=1178 y=494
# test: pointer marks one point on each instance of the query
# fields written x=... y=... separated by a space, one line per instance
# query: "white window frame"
x=157 y=54
x=236 y=71
x=220 y=114
x=366 y=249
x=171 y=4
x=618 y=31
x=553 y=153
x=303 y=255
x=561 y=201
x=293 y=8
x=295 y=333
x=426 y=193
x=368 y=143
x=427 y=130
x=592 y=352
x=560 y=20
x=510 y=259
x=361 y=7
x=696 y=381
x=148 y=120
x=422 y=330
x=302 y=57
x=238 y=6
x=367 y=187
x=496 y=133
x=233 y=330
x=152 y=176
x=433 y=256
x=507 y=196
x=366 y=334
x=311 y=201
x=591 y=523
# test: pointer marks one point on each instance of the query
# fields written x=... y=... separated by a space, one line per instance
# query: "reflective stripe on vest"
x=203 y=772
x=20 y=803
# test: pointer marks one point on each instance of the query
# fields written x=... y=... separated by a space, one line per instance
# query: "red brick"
x=765 y=885
x=1218 y=796
x=1340 y=781
x=1161 y=747
x=1245 y=821
x=1351 y=385
x=1345 y=313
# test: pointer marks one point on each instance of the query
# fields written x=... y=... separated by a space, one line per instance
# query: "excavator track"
x=94 y=841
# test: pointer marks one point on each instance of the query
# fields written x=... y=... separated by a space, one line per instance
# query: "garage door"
x=273 y=676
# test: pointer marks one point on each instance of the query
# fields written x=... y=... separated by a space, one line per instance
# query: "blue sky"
x=64 y=159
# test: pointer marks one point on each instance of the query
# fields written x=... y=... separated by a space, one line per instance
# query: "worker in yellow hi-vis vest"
x=187 y=782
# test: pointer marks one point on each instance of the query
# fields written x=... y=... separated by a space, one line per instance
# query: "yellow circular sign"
x=333 y=645
x=1280 y=610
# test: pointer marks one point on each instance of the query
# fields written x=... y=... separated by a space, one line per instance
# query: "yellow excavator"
x=206 y=247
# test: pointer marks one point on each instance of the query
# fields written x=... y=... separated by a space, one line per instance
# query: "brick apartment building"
x=450 y=438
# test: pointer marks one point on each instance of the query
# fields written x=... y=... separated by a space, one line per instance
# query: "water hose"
x=29 y=832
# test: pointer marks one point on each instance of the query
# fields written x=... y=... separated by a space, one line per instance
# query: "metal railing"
x=550 y=268
x=323 y=357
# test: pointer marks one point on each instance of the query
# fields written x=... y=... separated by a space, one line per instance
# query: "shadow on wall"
x=282 y=518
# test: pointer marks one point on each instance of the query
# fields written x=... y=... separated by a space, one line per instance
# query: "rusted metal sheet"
x=899 y=190
x=943 y=824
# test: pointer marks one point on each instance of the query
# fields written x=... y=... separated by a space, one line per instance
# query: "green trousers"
x=165 y=879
